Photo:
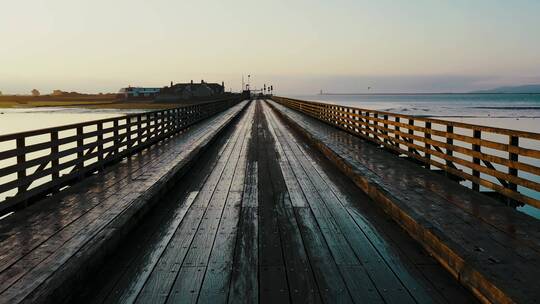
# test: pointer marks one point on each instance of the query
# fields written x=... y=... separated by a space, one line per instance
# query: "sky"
x=299 y=46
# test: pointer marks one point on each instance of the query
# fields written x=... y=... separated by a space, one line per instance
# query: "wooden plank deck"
x=492 y=249
x=48 y=248
x=264 y=218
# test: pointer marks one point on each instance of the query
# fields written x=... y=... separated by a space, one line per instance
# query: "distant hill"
x=530 y=88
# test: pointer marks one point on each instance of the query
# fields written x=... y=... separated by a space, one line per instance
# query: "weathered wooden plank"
x=83 y=236
x=200 y=249
x=57 y=182
x=175 y=256
x=347 y=120
x=369 y=250
x=244 y=286
x=143 y=259
x=65 y=234
x=300 y=279
x=387 y=186
x=272 y=271
x=215 y=287
x=332 y=286
x=186 y=285
x=388 y=284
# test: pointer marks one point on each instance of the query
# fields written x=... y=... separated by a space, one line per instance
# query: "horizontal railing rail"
x=481 y=157
x=37 y=163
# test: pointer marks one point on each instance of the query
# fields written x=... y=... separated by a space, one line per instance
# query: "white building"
x=138 y=92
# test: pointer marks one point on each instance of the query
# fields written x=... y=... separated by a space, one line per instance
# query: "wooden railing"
x=40 y=162
x=506 y=161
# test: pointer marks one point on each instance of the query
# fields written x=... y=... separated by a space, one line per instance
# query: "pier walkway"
x=264 y=219
x=260 y=203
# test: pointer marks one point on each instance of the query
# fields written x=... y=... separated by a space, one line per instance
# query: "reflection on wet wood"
x=415 y=140
x=489 y=247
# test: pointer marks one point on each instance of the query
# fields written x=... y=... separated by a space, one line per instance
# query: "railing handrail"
x=457 y=124
x=11 y=136
x=86 y=151
x=438 y=148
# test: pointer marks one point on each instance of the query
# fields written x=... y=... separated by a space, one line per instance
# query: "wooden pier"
x=270 y=201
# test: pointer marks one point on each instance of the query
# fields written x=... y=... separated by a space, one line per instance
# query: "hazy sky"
x=299 y=46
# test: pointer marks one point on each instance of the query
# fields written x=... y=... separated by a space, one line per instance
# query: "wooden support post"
x=80 y=152
x=411 y=132
x=116 y=140
x=128 y=133
x=100 y=144
x=385 y=117
x=21 y=159
x=351 y=118
x=449 y=141
x=376 y=124
x=147 y=126
x=513 y=157
x=427 y=146
x=167 y=115
x=55 y=173
x=178 y=126
x=396 y=136
x=139 y=130
x=357 y=118
x=477 y=134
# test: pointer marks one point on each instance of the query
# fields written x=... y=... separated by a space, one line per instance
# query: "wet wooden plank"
x=388 y=284
x=272 y=273
x=454 y=234
x=332 y=286
x=388 y=274
x=83 y=241
x=300 y=278
x=125 y=274
x=132 y=280
x=175 y=256
x=244 y=286
x=186 y=285
x=216 y=282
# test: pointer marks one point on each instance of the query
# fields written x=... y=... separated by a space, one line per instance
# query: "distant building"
x=138 y=92
x=191 y=90
x=176 y=92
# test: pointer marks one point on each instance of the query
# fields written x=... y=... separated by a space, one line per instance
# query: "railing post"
x=100 y=144
x=375 y=124
x=449 y=141
x=178 y=125
x=385 y=117
x=116 y=141
x=139 y=129
x=411 y=132
x=148 y=127
x=21 y=159
x=55 y=173
x=513 y=157
x=80 y=152
x=477 y=134
x=396 y=127
x=427 y=135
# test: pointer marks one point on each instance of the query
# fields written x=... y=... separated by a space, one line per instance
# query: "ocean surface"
x=25 y=119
